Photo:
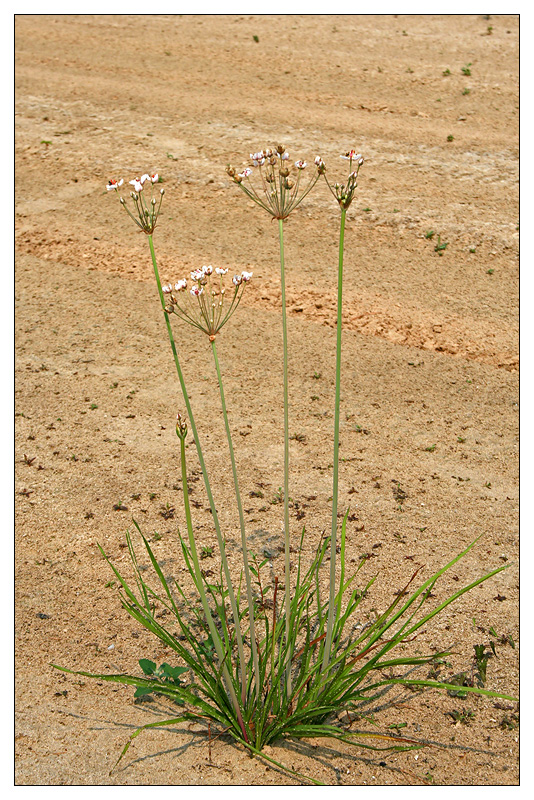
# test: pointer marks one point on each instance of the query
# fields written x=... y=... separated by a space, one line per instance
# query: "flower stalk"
x=275 y=185
x=287 y=565
x=250 y=599
x=344 y=194
x=220 y=539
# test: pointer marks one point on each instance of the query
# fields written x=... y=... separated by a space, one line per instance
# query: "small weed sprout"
x=279 y=660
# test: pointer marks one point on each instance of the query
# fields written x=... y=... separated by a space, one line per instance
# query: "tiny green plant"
x=466 y=69
x=440 y=246
x=450 y=138
x=275 y=657
x=462 y=716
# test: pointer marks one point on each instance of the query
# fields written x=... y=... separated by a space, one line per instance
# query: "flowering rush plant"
x=259 y=671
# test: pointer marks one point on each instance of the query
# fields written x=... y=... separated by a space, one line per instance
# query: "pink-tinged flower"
x=352 y=155
x=300 y=164
x=207 y=270
x=112 y=184
x=246 y=172
x=144 y=178
x=283 y=156
x=257 y=158
x=196 y=291
x=197 y=275
x=221 y=271
x=237 y=279
x=154 y=178
x=180 y=285
x=246 y=276
x=167 y=289
x=137 y=184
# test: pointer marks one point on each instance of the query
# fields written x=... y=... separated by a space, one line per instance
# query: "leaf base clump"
x=362 y=665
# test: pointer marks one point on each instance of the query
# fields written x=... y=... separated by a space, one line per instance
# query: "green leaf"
x=148 y=667
x=173 y=672
x=141 y=691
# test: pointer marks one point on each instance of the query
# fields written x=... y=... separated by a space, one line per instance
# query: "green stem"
x=333 y=541
x=200 y=586
x=250 y=599
x=222 y=547
x=286 y=453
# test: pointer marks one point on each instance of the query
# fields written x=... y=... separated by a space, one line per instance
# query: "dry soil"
x=429 y=420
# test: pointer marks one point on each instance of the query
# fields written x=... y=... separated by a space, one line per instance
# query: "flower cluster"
x=208 y=303
x=145 y=209
x=344 y=192
x=273 y=182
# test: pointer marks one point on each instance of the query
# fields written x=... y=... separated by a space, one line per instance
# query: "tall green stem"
x=333 y=541
x=203 y=598
x=222 y=546
x=244 y=547
x=286 y=451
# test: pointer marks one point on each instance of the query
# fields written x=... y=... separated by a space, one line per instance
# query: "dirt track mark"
x=370 y=314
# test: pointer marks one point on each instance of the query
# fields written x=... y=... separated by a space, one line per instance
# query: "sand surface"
x=430 y=359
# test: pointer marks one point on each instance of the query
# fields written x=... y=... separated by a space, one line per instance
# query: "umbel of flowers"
x=211 y=299
x=145 y=207
x=274 y=182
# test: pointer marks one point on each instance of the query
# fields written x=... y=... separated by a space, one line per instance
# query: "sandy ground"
x=430 y=357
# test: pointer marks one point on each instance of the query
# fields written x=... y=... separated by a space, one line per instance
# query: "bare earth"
x=430 y=359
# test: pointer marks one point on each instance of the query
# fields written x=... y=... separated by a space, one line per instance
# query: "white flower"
x=167 y=289
x=300 y=164
x=352 y=155
x=196 y=291
x=137 y=184
x=237 y=279
x=207 y=270
x=197 y=274
x=180 y=285
x=144 y=178
x=112 y=184
x=221 y=271
x=246 y=276
x=258 y=158
x=246 y=172
x=154 y=178
x=283 y=156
